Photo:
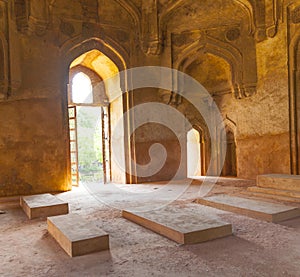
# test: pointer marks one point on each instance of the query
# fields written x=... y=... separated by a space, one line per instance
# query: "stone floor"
x=257 y=248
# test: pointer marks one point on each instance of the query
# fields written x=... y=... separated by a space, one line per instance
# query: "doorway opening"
x=194 y=153
x=86 y=126
x=92 y=98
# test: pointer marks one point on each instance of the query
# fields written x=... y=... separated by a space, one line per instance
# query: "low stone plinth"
x=43 y=205
x=183 y=225
x=279 y=181
x=253 y=208
x=76 y=235
x=276 y=192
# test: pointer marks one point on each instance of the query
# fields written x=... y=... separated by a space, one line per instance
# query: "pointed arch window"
x=82 y=90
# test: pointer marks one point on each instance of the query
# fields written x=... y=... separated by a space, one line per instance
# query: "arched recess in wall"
x=212 y=72
x=231 y=41
x=3 y=67
x=215 y=74
x=230 y=163
x=261 y=17
x=218 y=48
x=133 y=11
x=171 y=8
x=78 y=47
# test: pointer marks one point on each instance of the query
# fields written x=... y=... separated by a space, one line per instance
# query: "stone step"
x=9 y=202
x=43 y=205
x=286 y=193
x=253 y=208
x=76 y=235
x=181 y=224
x=279 y=181
x=270 y=196
x=9 y=199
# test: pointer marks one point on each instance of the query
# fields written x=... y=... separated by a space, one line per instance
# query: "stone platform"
x=281 y=187
x=76 y=235
x=276 y=192
x=279 y=181
x=253 y=208
x=181 y=224
x=273 y=196
x=43 y=205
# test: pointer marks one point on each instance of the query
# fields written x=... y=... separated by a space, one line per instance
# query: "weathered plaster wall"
x=31 y=148
x=32 y=138
x=153 y=131
x=262 y=122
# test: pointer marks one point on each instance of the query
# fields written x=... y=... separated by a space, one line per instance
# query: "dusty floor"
x=256 y=249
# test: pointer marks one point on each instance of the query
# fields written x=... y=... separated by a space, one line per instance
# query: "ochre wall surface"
x=241 y=51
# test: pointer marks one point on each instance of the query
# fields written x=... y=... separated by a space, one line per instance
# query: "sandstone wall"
x=32 y=137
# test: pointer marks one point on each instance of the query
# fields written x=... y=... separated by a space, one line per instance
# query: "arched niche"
x=212 y=72
x=243 y=71
x=260 y=18
x=219 y=12
x=230 y=163
x=3 y=67
x=227 y=148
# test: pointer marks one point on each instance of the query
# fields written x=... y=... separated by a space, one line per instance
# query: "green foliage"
x=89 y=139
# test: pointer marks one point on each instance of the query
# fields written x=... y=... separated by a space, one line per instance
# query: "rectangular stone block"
x=43 y=205
x=253 y=208
x=276 y=192
x=183 y=225
x=279 y=181
x=76 y=235
x=261 y=195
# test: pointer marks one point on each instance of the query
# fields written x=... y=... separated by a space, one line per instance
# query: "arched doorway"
x=94 y=69
x=89 y=162
x=194 y=163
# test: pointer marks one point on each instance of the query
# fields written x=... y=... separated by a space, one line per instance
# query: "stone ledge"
x=279 y=181
x=275 y=192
